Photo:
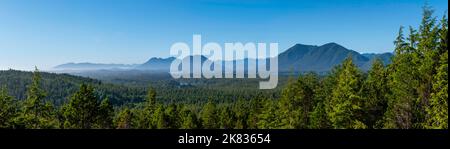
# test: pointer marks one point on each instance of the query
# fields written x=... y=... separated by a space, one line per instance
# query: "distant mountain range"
x=156 y=64
x=299 y=58
x=324 y=58
x=93 y=66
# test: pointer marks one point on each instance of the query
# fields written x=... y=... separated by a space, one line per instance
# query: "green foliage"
x=34 y=103
x=172 y=116
x=319 y=116
x=145 y=115
x=413 y=77
x=189 y=119
x=375 y=90
x=35 y=112
x=402 y=83
x=82 y=111
x=437 y=110
x=426 y=58
x=160 y=118
x=256 y=107
x=105 y=114
x=209 y=116
x=297 y=101
x=346 y=102
x=124 y=119
x=226 y=118
x=244 y=118
x=8 y=109
x=269 y=118
x=150 y=99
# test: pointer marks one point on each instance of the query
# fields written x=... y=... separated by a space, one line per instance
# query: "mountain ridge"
x=298 y=58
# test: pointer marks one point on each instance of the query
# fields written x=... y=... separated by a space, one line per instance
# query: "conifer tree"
x=124 y=119
x=36 y=112
x=268 y=118
x=189 y=119
x=209 y=116
x=242 y=115
x=437 y=110
x=8 y=109
x=82 y=110
x=346 y=105
x=375 y=91
x=426 y=58
x=256 y=107
x=319 y=117
x=172 y=116
x=438 y=107
x=106 y=114
x=226 y=118
x=289 y=104
x=144 y=116
x=402 y=83
x=297 y=101
x=159 y=117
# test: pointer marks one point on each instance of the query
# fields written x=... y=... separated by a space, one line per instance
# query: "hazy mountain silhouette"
x=298 y=58
x=92 y=66
x=156 y=64
x=323 y=58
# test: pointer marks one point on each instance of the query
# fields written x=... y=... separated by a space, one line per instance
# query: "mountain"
x=298 y=58
x=91 y=66
x=156 y=64
x=316 y=58
x=163 y=64
x=384 y=57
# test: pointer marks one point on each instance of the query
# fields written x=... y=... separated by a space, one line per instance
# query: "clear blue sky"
x=46 y=33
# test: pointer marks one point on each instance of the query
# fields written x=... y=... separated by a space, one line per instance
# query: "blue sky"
x=46 y=33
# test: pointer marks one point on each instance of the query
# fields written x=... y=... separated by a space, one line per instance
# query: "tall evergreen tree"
x=105 y=114
x=209 y=116
x=150 y=103
x=319 y=117
x=437 y=110
x=243 y=115
x=226 y=118
x=36 y=112
x=375 y=91
x=172 y=116
x=346 y=105
x=402 y=83
x=159 y=117
x=289 y=104
x=189 y=119
x=35 y=96
x=269 y=118
x=82 y=109
x=256 y=107
x=144 y=116
x=297 y=101
x=8 y=109
x=438 y=107
x=426 y=58
x=124 y=119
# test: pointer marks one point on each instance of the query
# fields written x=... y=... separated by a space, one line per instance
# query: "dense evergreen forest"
x=409 y=93
x=129 y=89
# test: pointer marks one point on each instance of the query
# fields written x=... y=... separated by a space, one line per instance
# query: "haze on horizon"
x=47 y=33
